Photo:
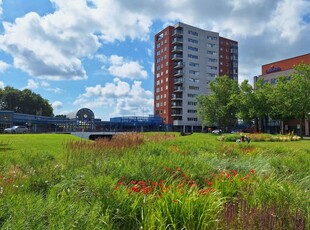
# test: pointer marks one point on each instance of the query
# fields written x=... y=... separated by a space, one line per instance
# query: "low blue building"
x=81 y=120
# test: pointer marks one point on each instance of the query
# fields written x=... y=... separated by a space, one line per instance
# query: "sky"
x=98 y=54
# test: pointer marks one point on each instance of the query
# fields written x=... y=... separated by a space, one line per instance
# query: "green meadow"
x=153 y=181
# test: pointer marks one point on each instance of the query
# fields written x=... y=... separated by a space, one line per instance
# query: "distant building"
x=186 y=60
x=270 y=73
x=79 y=121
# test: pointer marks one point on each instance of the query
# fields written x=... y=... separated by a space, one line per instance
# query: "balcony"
x=176 y=105
x=176 y=114
x=177 y=88
x=178 y=65
x=178 y=73
x=177 y=41
x=176 y=97
x=177 y=49
x=178 y=121
x=177 y=57
x=177 y=33
x=178 y=81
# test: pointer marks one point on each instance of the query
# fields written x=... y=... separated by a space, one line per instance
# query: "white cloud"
x=32 y=84
x=2 y=85
x=287 y=19
x=56 y=105
x=51 y=47
x=124 y=98
x=3 y=66
x=126 y=69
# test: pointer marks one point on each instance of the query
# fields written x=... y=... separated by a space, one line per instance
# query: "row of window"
x=161 y=59
x=161 y=74
x=158 y=97
x=161 y=89
x=192 y=119
x=158 y=67
x=193 y=87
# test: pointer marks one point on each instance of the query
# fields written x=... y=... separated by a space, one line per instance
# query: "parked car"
x=16 y=129
x=217 y=131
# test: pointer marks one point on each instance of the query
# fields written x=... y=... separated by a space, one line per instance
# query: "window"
x=191 y=111
x=193 y=87
x=193 y=33
x=192 y=103
x=211 y=52
x=194 y=72
x=191 y=119
x=193 y=64
x=194 y=80
x=211 y=67
x=211 y=45
x=212 y=60
x=211 y=38
x=192 y=48
x=192 y=95
x=192 y=56
x=193 y=40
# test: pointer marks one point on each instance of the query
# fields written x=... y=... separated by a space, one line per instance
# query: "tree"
x=261 y=105
x=279 y=101
x=246 y=102
x=298 y=93
x=24 y=101
x=220 y=107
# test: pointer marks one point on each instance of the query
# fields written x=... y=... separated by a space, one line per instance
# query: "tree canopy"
x=24 y=101
x=219 y=108
x=288 y=99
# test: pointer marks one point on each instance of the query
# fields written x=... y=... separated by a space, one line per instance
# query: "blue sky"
x=99 y=53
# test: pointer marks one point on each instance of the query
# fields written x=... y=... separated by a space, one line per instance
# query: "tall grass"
x=155 y=181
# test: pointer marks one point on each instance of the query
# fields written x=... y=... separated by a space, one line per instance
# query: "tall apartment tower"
x=187 y=59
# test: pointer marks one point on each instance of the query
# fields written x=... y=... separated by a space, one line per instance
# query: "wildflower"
x=135 y=188
x=253 y=171
x=210 y=183
x=175 y=201
x=133 y=182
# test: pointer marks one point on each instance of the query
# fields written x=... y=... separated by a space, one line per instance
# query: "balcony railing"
x=178 y=81
x=177 y=32
x=178 y=88
x=178 y=73
x=177 y=41
x=178 y=65
x=177 y=49
x=177 y=57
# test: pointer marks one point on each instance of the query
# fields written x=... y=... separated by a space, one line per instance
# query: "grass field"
x=152 y=181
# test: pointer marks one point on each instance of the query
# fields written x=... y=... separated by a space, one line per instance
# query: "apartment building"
x=186 y=60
